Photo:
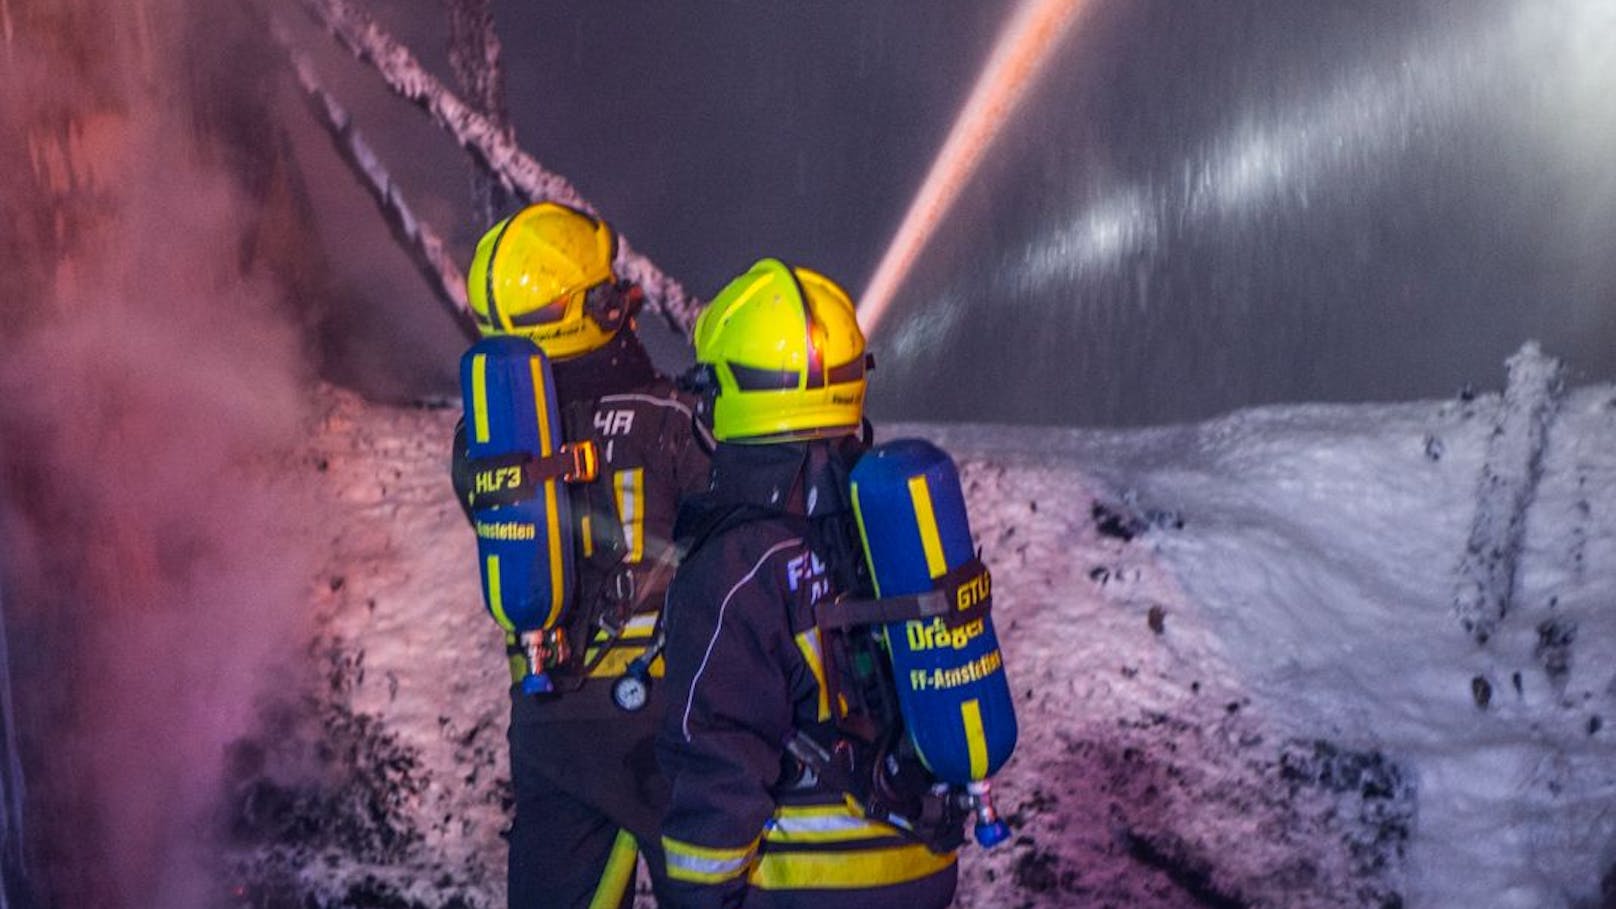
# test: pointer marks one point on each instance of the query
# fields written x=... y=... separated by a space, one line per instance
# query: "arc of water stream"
x=1012 y=69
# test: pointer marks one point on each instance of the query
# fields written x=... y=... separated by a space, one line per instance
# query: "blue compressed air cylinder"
x=949 y=671
x=524 y=536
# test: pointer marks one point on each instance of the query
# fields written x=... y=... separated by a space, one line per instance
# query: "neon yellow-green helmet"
x=533 y=275
x=783 y=349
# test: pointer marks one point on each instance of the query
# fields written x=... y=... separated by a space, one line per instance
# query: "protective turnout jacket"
x=746 y=670
x=650 y=457
x=586 y=785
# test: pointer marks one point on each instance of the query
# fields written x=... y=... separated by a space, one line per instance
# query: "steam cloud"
x=151 y=392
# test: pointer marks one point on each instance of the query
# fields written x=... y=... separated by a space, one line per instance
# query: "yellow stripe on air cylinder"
x=479 y=396
x=541 y=407
x=558 y=591
x=864 y=538
x=496 y=598
x=975 y=740
x=926 y=521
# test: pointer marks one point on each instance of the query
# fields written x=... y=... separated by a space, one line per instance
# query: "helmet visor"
x=751 y=378
x=554 y=311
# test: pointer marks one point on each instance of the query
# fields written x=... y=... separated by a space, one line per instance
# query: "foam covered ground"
x=1241 y=673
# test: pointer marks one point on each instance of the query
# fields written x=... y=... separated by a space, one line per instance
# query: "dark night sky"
x=1203 y=205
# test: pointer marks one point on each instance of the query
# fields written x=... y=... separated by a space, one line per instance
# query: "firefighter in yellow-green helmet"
x=782 y=367
x=785 y=352
x=587 y=791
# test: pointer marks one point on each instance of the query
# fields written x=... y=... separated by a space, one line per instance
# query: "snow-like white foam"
x=1238 y=671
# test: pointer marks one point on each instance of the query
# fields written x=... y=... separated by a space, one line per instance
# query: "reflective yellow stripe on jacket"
x=634 y=642
x=812 y=648
x=847 y=870
x=811 y=847
x=619 y=873
x=836 y=847
x=637 y=635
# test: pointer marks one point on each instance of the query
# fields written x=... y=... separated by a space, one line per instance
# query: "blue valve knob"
x=991 y=830
x=991 y=834
x=537 y=683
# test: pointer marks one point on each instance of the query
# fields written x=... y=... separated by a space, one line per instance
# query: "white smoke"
x=148 y=403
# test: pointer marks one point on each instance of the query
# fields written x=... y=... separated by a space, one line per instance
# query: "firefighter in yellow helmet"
x=587 y=792
x=782 y=366
x=546 y=273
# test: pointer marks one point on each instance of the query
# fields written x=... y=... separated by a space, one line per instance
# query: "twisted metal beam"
x=422 y=243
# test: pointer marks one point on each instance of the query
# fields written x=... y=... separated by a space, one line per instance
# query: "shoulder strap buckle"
x=573 y=462
x=581 y=461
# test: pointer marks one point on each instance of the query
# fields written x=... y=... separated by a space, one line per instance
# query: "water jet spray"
x=1013 y=67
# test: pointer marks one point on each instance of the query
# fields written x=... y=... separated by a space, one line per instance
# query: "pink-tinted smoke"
x=151 y=392
x=1017 y=58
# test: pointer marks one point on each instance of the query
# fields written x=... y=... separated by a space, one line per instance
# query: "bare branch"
x=419 y=240
x=514 y=168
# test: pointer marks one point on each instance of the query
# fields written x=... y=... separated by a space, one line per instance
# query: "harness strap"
x=838 y=770
x=969 y=584
x=511 y=478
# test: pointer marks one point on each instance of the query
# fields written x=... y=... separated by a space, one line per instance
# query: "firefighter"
x=781 y=362
x=588 y=794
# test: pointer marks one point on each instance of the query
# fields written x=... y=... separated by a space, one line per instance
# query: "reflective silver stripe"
x=718 y=627
x=702 y=429
x=699 y=864
x=645 y=621
x=674 y=403
x=692 y=868
x=629 y=489
x=829 y=824
x=635 y=631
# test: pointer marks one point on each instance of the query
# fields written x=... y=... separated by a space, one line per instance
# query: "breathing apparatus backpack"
x=926 y=712
x=525 y=499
